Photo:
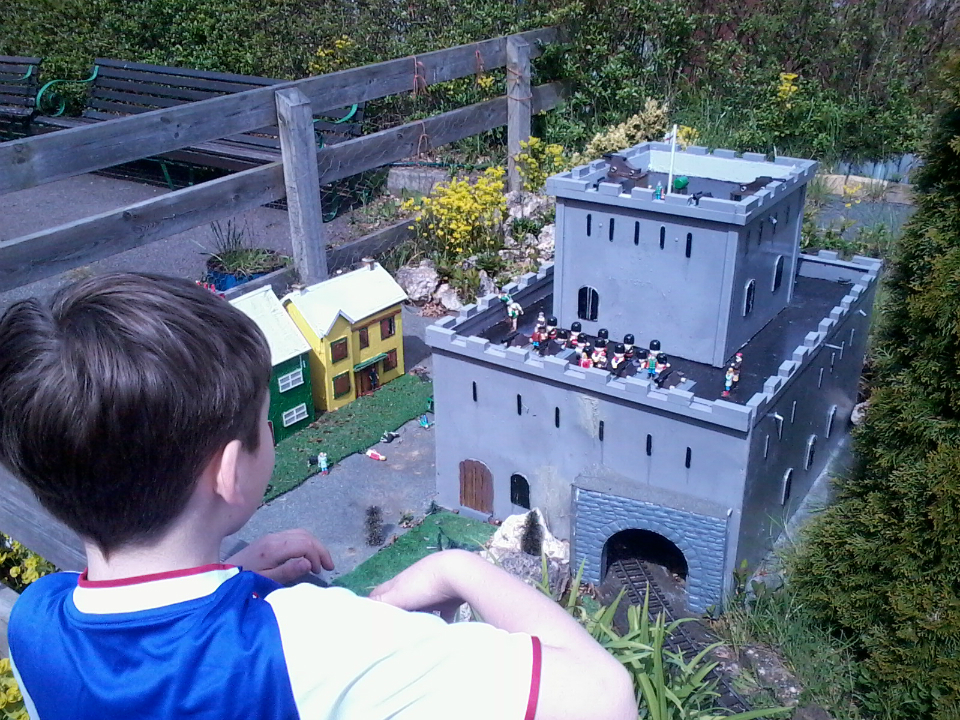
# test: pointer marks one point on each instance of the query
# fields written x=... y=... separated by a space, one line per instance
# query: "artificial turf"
x=350 y=429
x=442 y=530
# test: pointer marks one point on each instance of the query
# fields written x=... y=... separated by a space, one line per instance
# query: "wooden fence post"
x=298 y=146
x=518 y=104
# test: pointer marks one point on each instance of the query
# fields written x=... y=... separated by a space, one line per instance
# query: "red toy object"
x=373 y=454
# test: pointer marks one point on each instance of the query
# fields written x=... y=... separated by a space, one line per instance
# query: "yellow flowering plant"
x=538 y=160
x=19 y=566
x=332 y=58
x=11 y=701
x=461 y=218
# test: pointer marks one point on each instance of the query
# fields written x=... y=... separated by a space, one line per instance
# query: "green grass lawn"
x=350 y=429
x=452 y=531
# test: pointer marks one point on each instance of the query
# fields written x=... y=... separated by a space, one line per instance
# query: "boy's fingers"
x=300 y=543
x=292 y=569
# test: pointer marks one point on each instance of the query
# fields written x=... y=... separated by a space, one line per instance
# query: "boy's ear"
x=224 y=469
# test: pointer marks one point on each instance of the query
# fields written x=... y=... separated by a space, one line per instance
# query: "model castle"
x=697 y=459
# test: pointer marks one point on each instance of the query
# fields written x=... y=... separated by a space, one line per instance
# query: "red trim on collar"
x=534 y=680
x=138 y=579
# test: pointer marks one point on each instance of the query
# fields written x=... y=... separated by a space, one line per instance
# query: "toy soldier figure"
x=628 y=346
x=514 y=311
x=541 y=319
x=662 y=363
x=551 y=328
x=539 y=339
x=600 y=354
x=585 y=356
x=603 y=334
x=574 y=339
x=737 y=362
x=619 y=356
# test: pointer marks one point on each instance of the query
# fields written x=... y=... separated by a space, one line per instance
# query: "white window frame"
x=295 y=415
x=290 y=380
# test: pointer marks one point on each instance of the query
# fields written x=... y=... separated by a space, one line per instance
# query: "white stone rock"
x=487 y=286
x=546 y=240
x=419 y=283
x=447 y=296
x=859 y=412
x=507 y=539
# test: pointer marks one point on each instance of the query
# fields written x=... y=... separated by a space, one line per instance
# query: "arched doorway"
x=647 y=546
x=476 y=486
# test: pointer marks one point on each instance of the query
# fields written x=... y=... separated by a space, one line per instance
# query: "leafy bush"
x=881 y=565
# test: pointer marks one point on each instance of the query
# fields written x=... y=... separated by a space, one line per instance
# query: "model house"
x=353 y=325
x=668 y=463
x=291 y=392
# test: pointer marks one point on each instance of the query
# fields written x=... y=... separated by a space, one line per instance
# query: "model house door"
x=363 y=383
x=476 y=486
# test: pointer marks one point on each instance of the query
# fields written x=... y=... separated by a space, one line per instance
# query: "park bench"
x=18 y=88
x=118 y=88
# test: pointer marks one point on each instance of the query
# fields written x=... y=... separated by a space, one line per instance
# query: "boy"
x=135 y=407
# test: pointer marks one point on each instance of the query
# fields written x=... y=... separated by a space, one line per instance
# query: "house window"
x=364 y=337
x=663 y=236
x=831 y=414
x=339 y=349
x=610 y=233
x=295 y=415
x=777 y=273
x=689 y=457
x=341 y=385
x=636 y=233
x=748 y=296
x=785 y=486
x=390 y=361
x=588 y=302
x=290 y=380
x=519 y=491
x=811 y=452
x=689 y=243
x=388 y=327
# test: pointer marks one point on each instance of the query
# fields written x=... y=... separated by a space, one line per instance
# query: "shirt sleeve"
x=353 y=658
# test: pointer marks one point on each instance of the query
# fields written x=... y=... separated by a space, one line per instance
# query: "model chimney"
x=369 y=263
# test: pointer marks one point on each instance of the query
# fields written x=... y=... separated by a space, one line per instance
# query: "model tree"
x=882 y=565
x=531 y=540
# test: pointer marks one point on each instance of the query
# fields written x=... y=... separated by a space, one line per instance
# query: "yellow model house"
x=352 y=323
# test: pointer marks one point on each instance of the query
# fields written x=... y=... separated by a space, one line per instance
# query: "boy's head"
x=115 y=397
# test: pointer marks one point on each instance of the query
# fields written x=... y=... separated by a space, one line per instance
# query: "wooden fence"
x=37 y=160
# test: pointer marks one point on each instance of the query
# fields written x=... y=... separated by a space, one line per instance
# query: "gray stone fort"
x=664 y=466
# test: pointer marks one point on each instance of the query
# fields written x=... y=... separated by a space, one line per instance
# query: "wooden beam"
x=298 y=146
x=57 y=155
x=50 y=252
x=518 y=106
x=23 y=519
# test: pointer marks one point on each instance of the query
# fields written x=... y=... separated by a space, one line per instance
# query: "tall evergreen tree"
x=882 y=565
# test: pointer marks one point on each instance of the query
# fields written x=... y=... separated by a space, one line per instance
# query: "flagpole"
x=673 y=154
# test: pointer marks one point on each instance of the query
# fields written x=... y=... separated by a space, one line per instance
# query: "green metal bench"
x=118 y=88
x=18 y=88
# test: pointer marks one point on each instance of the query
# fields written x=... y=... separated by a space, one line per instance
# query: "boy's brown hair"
x=115 y=396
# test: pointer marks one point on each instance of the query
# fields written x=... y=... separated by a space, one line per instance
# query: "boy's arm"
x=579 y=679
x=284 y=556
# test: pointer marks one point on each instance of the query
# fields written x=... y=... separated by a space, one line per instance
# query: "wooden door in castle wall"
x=476 y=486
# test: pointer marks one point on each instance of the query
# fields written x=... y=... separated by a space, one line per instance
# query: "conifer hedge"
x=882 y=565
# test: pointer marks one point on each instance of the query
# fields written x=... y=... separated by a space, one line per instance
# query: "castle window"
x=636 y=233
x=588 y=302
x=777 y=273
x=519 y=491
x=474 y=390
x=831 y=414
x=785 y=486
x=556 y=417
x=811 y=452
x=820 y=379
x=688 y=458
x=663 y=236
x=589 y=224
x=600 y=431
x=689 y=243
x=766 y=446
x=519 y=405
x=649 y=445
x=610 y=231
x=793 y=412
x=748 y=296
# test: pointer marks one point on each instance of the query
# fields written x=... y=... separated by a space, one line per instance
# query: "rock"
x=859 y=412
x=420 y=180
x=528 y=205
x=545 y=241
x=419 y=283
x=447 y=296
x=771 y=672
x=487 y=286
x=811 y=712
x=503 y=550
x=469 y=263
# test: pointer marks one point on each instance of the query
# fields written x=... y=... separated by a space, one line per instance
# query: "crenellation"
x=517 y=355
x=812 y=338
x=754 y=157
x=800 y=354
x=677 y=396
x=825 y=325
x=609 y=188
x=787 y=368
x=696 y=150
x=724 y=153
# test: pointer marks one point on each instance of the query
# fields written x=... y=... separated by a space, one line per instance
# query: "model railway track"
x=635 y=577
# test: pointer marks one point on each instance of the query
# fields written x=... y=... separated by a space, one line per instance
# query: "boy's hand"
x=284 y=556
x=425 y=585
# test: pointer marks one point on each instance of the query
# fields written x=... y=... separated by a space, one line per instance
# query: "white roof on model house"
x=355 y=295
x=264 y=308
